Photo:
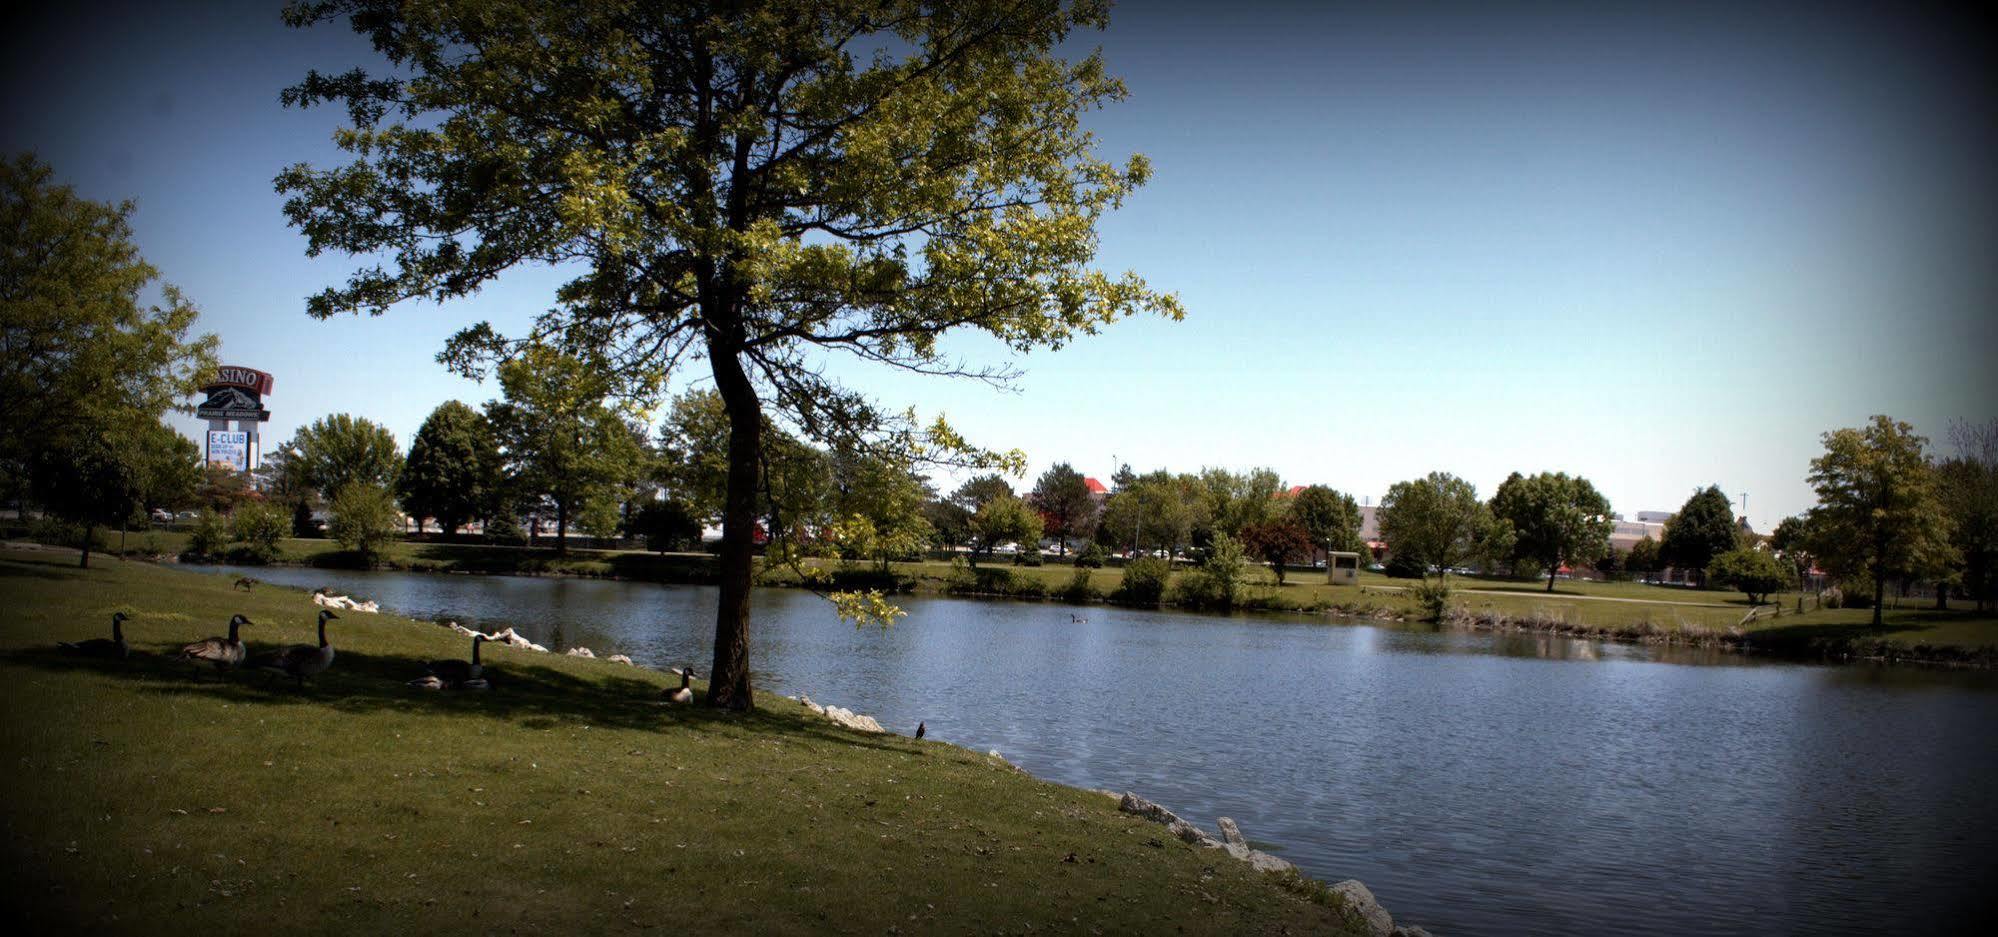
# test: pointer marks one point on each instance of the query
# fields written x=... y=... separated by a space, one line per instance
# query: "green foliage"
x=1434 y=521
x=222 y=488
x=1225 y=502
x=1756 y=573
x=453 y=470
x=1156 y=511
x=60 y=533
x=1091 y=556
x=1062 y=496
x=1080 y=590
x=978 y=490
x=166 y=468
x=261 y=527
x=1277 y=542
x=1703 y=529
x=666 y=525
x=341 y=450
x=1217 y=582
x=948 y=520
x=1144 y=582
x=1879 y=514
x=1554 y=518
x=86 y=368
x=1331 y=518
x=364 y=519
x=561 y=439
x=735 y=185
x=1005 y=519
x=1968 y=486
x=210 y=536
x=1404 y=566
x=1432 y=597
x=1644 y=557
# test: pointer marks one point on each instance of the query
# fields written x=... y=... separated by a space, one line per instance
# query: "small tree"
x=1144 y=581
x=1756 y=573
x=1878 y=512
x=1002 y=519
x=85 y=480
x=1555 y=519
x=365 y=519
x=1703 y=529
x=1062 y=495
x=261 y=527
x=210 y=536
x=1277 y=542
x=340 y=450
x=1332 y=519
x=561 y=440
x=1643 y=558
x=666 y=525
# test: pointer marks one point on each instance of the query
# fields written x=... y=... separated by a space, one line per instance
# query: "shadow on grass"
x=531 y=695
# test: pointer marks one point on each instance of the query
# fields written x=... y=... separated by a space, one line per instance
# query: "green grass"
x=143 y=797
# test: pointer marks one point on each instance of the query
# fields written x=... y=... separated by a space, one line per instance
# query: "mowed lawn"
x=143 y=796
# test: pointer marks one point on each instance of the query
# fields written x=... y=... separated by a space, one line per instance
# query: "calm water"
x=1479 y=784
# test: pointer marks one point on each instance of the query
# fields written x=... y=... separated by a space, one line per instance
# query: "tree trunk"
x=89 y=533
x=561 y=528
x=1879 y=592
x=1552 y=569
x=1942 y=596
x=728 y=681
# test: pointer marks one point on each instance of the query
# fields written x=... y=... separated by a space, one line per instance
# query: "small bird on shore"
x=113 y=646
x=299 y=661
x=920 y=729
x=222 y=653
x=685 y=694
x=245 y=583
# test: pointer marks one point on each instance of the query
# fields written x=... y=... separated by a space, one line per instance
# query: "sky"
x=1661 y=246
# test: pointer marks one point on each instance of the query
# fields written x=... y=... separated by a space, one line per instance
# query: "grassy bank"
x=143 y=797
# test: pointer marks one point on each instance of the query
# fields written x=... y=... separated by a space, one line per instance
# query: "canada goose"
x=224 y=653
x=113 y=646
x=454 y=671
x=245 y=583
x=1073 y=618
x=920 y=729
x=685 y=694
x=299 y=661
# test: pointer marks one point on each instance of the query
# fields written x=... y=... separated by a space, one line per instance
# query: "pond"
x=1479 y=784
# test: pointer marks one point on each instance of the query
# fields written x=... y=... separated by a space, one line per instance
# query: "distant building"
x=1626 y=534
x=1097 y=492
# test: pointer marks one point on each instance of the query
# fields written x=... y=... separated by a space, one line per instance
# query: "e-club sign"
x=236 y=395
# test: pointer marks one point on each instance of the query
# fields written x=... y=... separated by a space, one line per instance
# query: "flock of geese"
x=300 y=661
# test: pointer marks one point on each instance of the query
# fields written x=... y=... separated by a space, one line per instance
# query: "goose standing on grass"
x=685 y=694
x=113 y=646
x=455 y=672
x=225 y=653
x=299 y=661
x=921 y=729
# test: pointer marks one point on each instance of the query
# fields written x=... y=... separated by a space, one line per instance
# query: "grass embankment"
x=143 y=797
x=1626 y=611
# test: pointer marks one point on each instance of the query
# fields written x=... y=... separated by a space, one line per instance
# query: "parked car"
x=162 y=515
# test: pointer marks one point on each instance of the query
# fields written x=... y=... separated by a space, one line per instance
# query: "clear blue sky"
x=1660 y=247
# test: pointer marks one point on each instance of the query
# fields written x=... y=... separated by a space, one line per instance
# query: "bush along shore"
x=146 y=795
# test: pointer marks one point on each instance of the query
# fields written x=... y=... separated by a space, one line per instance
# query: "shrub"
x=260 y=526
x=1027 y=558
x=1079 y=590
x=1434 y=598
x=61 y=533
x=1145 y=580
x=1091 y=556
x=210 y=535
x=365 y=519
x=1754 y=572
x=302 y=524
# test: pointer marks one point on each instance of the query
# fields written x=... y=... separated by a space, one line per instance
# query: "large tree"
x=93 y=348
x=1879 y=514
x=453 y=469
x=752 y=184
x=340 y=450
x=1002 y=520
x=1062 y=496
x=1434 y=521
x=1556 y=518
x=1278 y=541
x=560 y=440
x=1703 y=529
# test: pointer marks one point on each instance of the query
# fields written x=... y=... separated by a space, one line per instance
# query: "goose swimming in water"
x=113 y=646
x=299 y=661
x=224 y=653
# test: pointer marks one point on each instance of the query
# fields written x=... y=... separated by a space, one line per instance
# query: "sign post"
x=235 y=396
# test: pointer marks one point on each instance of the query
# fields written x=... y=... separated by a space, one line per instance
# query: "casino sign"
x=235 y=395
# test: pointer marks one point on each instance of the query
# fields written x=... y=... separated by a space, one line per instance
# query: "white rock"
x=427 y=683
x=1264 y=862
x=580 y=652
x=1230 y=833
x=620 y=659
x=1360 y=902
